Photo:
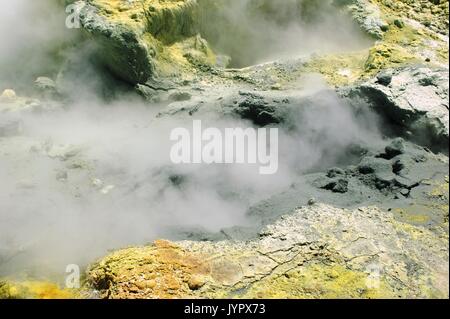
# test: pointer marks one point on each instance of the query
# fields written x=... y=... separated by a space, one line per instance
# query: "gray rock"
x=120 y=48
x=396 y=148
x=370 y=165
x=367 y=15
x=416 y=100
x=376 y=251
x=384 y=78
x=339 y=185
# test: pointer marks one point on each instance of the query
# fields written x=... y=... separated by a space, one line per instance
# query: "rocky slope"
x=371 y=224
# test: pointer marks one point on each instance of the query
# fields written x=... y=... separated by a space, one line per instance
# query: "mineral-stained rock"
x=431 y=14
x=142 y=40
x=416 y=100
x=8 y=95
x=318 y=251
x=120 y=47
x=153 y=39
x=33 y=290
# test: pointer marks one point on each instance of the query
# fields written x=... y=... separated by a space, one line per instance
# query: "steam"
x=96 y=175
x=257 y=31
x=32 y=34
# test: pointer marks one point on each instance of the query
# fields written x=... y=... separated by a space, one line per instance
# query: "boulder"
x=414 y=98
x=120 y=47
x=141 y=41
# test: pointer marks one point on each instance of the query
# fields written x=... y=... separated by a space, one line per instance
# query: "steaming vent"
x=251 y=32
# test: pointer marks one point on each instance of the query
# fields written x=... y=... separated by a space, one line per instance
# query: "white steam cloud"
x=257 y=31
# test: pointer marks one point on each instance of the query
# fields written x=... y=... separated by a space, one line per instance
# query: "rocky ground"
x=314 y=252
x=371 y=224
